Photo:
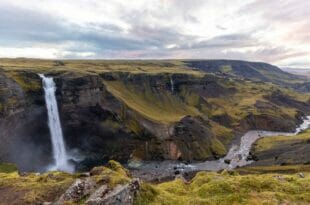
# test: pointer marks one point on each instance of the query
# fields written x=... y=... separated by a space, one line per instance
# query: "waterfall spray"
x=58 y=144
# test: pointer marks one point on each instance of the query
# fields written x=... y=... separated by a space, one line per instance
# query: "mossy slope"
x=213 y=188
x=35 y=188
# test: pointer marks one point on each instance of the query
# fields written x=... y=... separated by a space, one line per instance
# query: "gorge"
x=159 y=119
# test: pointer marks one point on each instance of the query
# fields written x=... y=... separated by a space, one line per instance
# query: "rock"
x=96 y=171
x=85 y=174
x=98 y=196
x=120 y=195
x=251 y=157
x=78 y=190
x=227 y=161
x=279 y=177
x=301 y=175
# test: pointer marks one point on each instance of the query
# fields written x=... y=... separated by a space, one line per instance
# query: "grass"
x=266 y=143
x=113 y=174
x=97 y=66
x=35 y=188
x=25 y=83
x=241 y=103
x=288 y=169
x=254 y=185
x=213 y=188
x=7 y=168
x=157 y=106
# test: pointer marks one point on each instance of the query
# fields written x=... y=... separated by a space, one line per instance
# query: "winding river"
x=237 y=156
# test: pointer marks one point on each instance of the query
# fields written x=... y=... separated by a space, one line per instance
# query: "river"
x=236 y=156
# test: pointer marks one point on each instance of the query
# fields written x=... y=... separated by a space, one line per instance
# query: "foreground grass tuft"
x=213 y=188
x=7 y=168
x=266 y=143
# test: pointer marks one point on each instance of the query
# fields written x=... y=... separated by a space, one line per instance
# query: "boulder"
x=120 y=195
x=78 y=190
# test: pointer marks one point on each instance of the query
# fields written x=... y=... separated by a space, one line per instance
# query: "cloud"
x=276 y=32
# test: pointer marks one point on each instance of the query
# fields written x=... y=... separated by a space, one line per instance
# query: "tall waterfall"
x=59 y=150
x=172 y=85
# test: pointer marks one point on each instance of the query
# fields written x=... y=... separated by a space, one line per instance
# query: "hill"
x=255 y=71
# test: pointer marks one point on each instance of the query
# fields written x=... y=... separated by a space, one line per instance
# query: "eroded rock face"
x=194 y=140
x=284 y=154
x=24 y=132
x=120 y=195
x=94 y=194
x=280 y=123
x=281 y=99
x=80 y=189
x=89 y=120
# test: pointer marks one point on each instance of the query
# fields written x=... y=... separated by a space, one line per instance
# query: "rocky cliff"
x=282 y=150
x=170 y=113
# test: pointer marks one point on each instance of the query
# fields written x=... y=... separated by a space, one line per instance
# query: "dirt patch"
x=8 y=195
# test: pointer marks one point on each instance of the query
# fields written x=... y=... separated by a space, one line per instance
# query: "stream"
x=236 y=156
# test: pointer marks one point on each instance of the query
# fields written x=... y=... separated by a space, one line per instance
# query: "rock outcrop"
x=281 y=150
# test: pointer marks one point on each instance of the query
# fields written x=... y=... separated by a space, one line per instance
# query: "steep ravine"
x=126 y=116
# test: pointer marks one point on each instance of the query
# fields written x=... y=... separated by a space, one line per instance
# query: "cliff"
x=131 y=111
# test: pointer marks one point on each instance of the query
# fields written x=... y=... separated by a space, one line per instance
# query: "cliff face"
x=282 y=150
x=23 y=120
x=133 y=116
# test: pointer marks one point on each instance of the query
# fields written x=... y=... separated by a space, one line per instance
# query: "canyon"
x=159 y=119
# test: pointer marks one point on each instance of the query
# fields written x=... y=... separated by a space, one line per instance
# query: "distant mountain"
x=298 y=71
x=254 y=71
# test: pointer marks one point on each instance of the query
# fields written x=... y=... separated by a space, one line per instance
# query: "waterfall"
x=172 y=85
x=58 y=144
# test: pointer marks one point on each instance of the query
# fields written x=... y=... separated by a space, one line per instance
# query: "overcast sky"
x=277 y=32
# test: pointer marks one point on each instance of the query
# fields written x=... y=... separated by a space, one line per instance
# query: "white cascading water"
x=58 y=144
x=172 y=85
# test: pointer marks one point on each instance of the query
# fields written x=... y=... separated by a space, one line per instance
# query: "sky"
x=276 y=32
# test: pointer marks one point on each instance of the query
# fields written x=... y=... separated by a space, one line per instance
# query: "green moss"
x=7 y=168
x=157 y=106
x=36 y=188
x=217 y=147
x=226 y=69
x=112 y=175
x=266 y=143
x=223 y=134
x=98 y=66
x=134 y=126
x=274 y=169
x=213 y=188
x=190 y=97
x=25 y=83
x=146 y=194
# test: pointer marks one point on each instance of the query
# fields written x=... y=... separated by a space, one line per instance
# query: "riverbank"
x=238 y=156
